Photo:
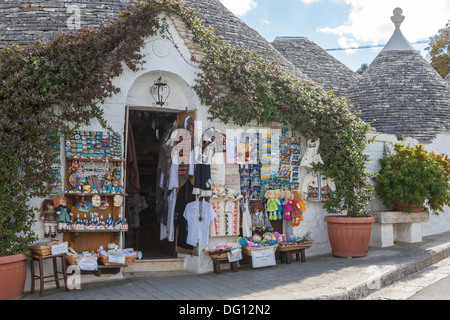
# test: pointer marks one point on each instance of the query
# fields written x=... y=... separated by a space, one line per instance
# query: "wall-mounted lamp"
x=160 y=92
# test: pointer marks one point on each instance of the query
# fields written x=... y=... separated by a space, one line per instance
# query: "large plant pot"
x=401 y=206
x=349 y=236
x=13 y=273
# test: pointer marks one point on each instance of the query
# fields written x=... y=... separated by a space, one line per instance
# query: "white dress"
x=311 y=156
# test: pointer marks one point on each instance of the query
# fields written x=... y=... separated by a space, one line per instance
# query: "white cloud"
x=239 y=7
x=265 y=20
x=369 y=21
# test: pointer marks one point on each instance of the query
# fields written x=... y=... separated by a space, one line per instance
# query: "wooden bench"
x=299 y=250
x=299 y=254
x=217 y=263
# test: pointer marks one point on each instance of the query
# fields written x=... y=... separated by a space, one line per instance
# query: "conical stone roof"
x=316 y=63
x=402 y=92
x=447 y=78
x=230 y=28
x=24 y=21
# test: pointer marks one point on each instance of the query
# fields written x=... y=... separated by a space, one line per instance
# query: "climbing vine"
x=50 y=89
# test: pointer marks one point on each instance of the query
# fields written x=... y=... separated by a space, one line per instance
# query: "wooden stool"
x=41 y=277
x=217 y=263
x=299 y=254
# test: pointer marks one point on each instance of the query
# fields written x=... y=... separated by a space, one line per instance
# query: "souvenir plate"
x=84 y=206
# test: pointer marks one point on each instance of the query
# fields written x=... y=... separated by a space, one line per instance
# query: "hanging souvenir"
x=96 y=201
x=104 y=204
x=84 y=206
x=117 y=201
x=73 y=179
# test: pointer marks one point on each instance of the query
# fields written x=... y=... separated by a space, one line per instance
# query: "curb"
x=430 y=256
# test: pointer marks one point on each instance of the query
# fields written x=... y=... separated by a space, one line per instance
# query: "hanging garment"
x=311 y=156
x=133 y=182
x=199 y=215
x=246 y=218
x=168 y=229
x=163 y=175
x=227 y=208
x=202 y=180
x=184 y=197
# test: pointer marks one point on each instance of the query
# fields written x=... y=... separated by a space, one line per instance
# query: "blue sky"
x=343 y=23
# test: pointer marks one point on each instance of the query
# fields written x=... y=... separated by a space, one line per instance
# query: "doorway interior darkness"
x=148 y=128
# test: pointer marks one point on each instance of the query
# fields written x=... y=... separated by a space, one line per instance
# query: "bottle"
x=76 y=223
x=109 y=222
x=124 y=224
x=85 y=222
x=101 y=223
x=118 y=224
x=92 y=223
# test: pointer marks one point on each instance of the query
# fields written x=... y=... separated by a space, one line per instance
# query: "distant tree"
x=439 y=49
x=363 y=68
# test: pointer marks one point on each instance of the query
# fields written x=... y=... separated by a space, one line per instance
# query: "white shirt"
x=198 y=231
x=168 y=231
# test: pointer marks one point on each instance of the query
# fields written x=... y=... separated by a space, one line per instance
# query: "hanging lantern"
x=160 y=92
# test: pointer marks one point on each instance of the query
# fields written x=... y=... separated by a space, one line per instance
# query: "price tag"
x=235 y=255
x=60 y=248
x=263 y=258
x=116 y=259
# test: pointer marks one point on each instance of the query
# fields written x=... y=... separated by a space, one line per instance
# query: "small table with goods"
x=41 y=251
x=224 y=254
x=296 y=245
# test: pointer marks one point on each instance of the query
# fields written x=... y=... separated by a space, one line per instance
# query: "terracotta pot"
x=401 y=206
x=349 y=236
x=13 y=273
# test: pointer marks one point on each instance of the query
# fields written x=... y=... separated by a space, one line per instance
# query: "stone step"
x=150 y=265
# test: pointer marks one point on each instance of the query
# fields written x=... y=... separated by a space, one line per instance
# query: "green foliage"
x=362 y=68
x=414 y=176
x=439 y=49
x=50 y=89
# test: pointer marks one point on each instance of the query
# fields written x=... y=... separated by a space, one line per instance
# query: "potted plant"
x=15 y=238
x=412 y=179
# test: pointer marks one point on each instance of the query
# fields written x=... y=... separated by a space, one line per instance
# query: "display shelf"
x=94 y=160
x=81 y=194
x=92 y=231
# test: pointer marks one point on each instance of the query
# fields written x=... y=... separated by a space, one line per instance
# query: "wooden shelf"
x=96 y=160
x=94 y=194
x=87 y=231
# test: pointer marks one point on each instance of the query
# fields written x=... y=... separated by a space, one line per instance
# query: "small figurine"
x=279 y=195
x=287 y=205
x=64 y=214
x=48 y=216
x=298 y=204
x=272 y=204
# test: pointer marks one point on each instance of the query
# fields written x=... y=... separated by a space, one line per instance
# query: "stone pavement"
x=322 y=277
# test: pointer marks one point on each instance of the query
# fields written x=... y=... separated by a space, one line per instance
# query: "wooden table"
x=41 y=277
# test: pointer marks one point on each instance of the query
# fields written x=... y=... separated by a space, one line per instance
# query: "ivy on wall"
x=50 y=89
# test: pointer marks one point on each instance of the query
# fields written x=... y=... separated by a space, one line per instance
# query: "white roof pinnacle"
x=398 y=40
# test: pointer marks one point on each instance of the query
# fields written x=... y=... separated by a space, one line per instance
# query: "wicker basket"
x=72 y=259
x=219 y=256
x=248 y=250
x=43 y=250
x=295 y=246
x=129 y=260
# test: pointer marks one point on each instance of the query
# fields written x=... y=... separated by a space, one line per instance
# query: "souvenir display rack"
x=94 y=188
